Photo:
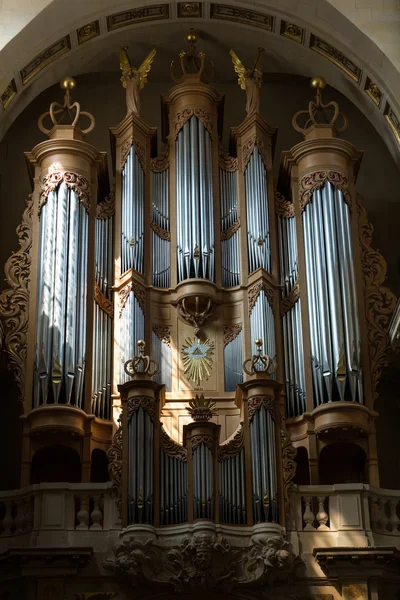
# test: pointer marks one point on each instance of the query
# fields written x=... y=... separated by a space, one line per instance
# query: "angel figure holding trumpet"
x=133 y=79
x=249 y=80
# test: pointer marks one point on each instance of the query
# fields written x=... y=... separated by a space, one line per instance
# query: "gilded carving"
x=74 y=181
x=288 y=462
x=393 y=121
x=114 y=455
x=284 y=208
x=163 y=333
x=144 y=402
x=256 y=402
x=227 y=162
x=172 y=448
x=197 y=440
x=184 y=115
x=88 y=32
x=242 y=15
x=314 y=181
x=105 y=304
x=137 y=15
x=292 y=31
x=9 y=93
x=190 y=9
x=255 y=290
x=231 y=332
x=162 y=233
x=287 y=303
x=372 y=90
x=228 y=233
x=123 y=296
x=14 y=301
x=233 y=446
x=335 y=56
x=106 y=209
x=197 y=359
x=380 y=302
x=45 y=58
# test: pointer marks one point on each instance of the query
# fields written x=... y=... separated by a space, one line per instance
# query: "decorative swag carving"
x=228 y=233
x=313 y=181
x=248 y=149
x=234 y=445
x=284 y=208
x=144 y=402
x=197 y=440
x=185 y=114
x=162 y=233
x=255 y=290
x=287 y=303
x=170 y=447
x=76 y=182
x=106 y=209
x=140 y=152
x=14 y=301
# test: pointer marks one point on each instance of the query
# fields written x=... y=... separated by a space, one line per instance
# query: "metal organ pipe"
x=160 y=216
x=229 y=215
x=162 y=354
x=335 y=345
x=131 y=330
x=257 y=213
x=61 y=318
x=140 y=485
x=233 y=363
x=262 y=325
x=194 y=209
x=132 y=226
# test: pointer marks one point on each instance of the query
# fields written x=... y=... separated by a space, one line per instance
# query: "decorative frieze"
x=242 y=15
x=88 y=32
x=372 y=90
x=393 y=121
x=190 y=10
x=46 y=57
x=154 y=12
x=335 y=56
x=9 y=93
x=292 y=31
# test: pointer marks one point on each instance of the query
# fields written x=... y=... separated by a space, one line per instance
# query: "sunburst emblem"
x=197 y=359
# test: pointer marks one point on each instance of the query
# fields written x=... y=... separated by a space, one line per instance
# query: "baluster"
x=19 y=516
x=322 y=515
x=383 y=519
x=83 y=514
x=308 y=515
x=374 y=513
x=8 y=521
x=96 y=514
x=394 y=519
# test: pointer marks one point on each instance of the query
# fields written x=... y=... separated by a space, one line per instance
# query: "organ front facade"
x=210 y=336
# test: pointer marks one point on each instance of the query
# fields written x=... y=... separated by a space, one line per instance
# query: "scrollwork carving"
x=14 y=301
x=106 y=209
x=145 y=402
x=314 y=181
x=140 y=294
x=114 y=455
x=248 y=148
x=233 y=446
x=228 y=233
x=227 y=162
x=288 y=462
x=284 y=208
x=172 y=448
x=256 y=402
x=74 y=181
x=197 y=440
x=255 y=290
x=105 y=304
x=380 y=302
x=231 y=332
x=140 y=150
x=184 y=115
x=162 y=233
x=163 y=333
x=123 y=296
x=287 y=303
x=160 y=163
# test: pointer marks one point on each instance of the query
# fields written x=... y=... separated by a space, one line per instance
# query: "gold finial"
x=318 y=82
x=191 y=37
x=141 y=344
x=258 y=343
x=67 y=83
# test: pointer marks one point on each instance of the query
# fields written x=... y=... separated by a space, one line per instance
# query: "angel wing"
x=145 y=67
x=124 y=63
x=239 y=69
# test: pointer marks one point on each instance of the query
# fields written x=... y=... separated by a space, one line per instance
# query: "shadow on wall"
x=56 y=464
x=388 y=426
x=342 y=462
x=10 y=432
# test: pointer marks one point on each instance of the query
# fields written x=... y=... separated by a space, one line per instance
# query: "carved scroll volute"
x=114 y=456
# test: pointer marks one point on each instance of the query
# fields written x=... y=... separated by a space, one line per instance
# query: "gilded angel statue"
x=134 y=79
x=249 y=80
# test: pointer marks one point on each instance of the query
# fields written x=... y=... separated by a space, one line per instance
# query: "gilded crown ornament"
x=141 y=364
x=58 y=112
x=202 y=409
x=250 y=80
x=133 y=79
x=191 y=60
x=319 y=113
x=260 y=364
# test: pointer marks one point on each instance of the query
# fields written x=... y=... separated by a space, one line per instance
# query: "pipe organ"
x=199 y=254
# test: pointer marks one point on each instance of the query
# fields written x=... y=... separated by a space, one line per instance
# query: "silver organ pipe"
x=258 y=239
x=162 y=354
x=231 y=490
x=203 y=482
x=161 y=230
x=292 y=328
x=103 y=322
x=194 y=202
x=141 y=461
x=332 y=303
x=131 y=330
x=132 y=226
x=262 y=325
x=61 y=318
x=229 y=217
x=173 y=489
x=263 y=459
x=233 y=363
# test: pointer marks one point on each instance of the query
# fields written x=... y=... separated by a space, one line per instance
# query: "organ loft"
x=202 y=337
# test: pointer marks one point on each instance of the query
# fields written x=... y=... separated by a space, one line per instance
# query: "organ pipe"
x=229 y=218
x=132 y=226
x=258 y=238
x=162 y=354
x=131 y=330
x=233 y=361
x=262 y=325
x=161 y=229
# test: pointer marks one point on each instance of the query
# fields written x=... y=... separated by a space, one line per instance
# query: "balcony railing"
x=63 y=514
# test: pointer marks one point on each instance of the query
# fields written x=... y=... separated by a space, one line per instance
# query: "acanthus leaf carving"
x=123 y=296
x=105 y=304
x=184 y=115
x=287 y=303
x=163 y=332
x=197 y=440
x=74 y=181
x=140 y=295
x=162 y=233
x=170 y=447
x=231 y=332
x=106 y=209
x=140 y=150
x=284 y=208
x=256 y=402
x=14 y=301
x=248 y=148
x=288 y=462
x=255 y=290
x=314 y=181
x=114 y=455
x=380 y=302
x=227 y=162
x=148 y=404
x=204 y=562
x=233 y=446
x=228 y=233
x=160 y=163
